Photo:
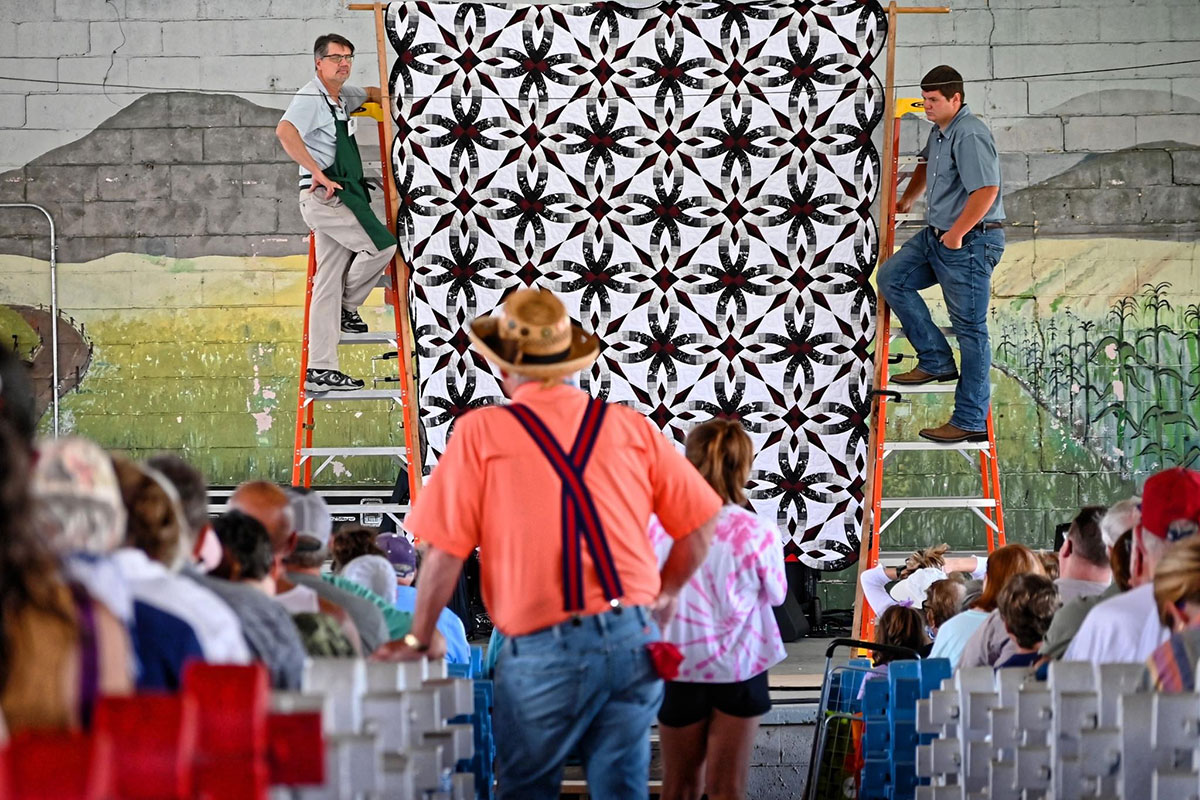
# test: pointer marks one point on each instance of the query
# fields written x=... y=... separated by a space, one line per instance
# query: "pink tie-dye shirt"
x=725 y=626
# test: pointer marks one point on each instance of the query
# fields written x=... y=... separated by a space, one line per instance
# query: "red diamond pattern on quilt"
x=696 y=180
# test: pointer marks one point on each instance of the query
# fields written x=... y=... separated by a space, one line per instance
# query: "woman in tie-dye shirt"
x=725 y=628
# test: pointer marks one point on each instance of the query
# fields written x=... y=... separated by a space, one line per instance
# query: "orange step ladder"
x=395 y=286
x=987 y=505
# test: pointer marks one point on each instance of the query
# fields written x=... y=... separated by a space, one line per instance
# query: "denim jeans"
x=965 y=276
x=588 y=688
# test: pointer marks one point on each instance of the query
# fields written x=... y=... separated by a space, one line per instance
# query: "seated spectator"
x=154 y=550
x=900 y=626
x=980 y=628
x=1050 y=563
x=401 y=554
x=59 y=649
x=267 y=627
x=247 y=558
x=921 y=570
x=373 y=573
x=943 y=600
x=314 y=527
x=1172 y=667
x=358 y=559
x=1116 y=531
x=189 y=483
x=1027 y=605
x=298 y=593
x=1083 y=558
x=350 y=542
x=1127 y=628
x=79 y=505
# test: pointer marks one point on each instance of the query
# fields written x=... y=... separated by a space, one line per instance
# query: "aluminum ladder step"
x=352 y=451
x=370 y=337
x=357 y=394
x=928 y=445
x=937 y=502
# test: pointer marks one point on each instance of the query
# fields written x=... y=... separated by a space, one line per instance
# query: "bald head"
x=268 y=504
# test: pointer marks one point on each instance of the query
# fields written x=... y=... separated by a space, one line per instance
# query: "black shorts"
x=688 y=703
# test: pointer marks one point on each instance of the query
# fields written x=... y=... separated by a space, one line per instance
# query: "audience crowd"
x=113 y=576
x=1124 y=587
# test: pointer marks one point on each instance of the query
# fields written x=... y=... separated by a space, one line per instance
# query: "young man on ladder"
x=958 y=249
x=353 y=246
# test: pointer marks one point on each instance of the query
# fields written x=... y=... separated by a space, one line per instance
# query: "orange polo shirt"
x=494 y=489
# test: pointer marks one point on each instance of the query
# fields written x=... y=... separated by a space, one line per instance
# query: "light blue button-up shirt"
x=309 y=112
x=960 y=160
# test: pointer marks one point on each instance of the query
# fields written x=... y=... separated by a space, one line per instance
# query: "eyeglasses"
x=339 y=59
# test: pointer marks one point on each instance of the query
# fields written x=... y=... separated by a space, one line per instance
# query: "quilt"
x=695 y=179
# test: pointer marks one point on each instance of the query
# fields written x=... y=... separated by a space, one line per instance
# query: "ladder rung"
x=357 y=394
x=370 y=337
x=937 y=502
x=908 y=161
x=925 y=388
x=352 y=451
x=910 y=218
x=923 y=445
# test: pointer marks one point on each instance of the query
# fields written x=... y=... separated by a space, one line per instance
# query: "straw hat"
x=533 y=336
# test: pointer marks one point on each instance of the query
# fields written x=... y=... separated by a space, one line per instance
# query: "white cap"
x=374 y=573
x=911 y=590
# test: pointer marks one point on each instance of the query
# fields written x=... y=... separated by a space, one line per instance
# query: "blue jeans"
x=965 y=276
x=588 y=688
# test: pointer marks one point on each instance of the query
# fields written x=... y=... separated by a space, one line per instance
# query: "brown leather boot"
x=917 y=376
x=952 y=434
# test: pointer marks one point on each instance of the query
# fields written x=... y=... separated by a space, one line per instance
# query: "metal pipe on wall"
x=53 y=301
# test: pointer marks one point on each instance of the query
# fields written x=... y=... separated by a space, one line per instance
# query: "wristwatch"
x=413 y=643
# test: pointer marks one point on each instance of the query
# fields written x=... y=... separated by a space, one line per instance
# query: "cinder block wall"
x=184 y=247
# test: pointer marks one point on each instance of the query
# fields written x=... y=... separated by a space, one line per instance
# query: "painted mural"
x=181 y=281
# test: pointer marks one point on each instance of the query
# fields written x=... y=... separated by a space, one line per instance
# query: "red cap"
x=1170 y=496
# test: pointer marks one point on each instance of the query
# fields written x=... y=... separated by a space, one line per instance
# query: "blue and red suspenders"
x=579 y=516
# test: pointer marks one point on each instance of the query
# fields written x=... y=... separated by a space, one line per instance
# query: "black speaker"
x=790 y=617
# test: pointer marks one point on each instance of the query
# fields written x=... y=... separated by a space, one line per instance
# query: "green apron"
x=354 y=194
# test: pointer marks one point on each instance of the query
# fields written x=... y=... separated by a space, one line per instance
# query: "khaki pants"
x=348 y=268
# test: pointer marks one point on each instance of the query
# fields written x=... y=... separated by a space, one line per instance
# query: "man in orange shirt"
x=556 y=490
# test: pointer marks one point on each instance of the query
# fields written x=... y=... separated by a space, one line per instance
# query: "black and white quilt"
x=695 y=179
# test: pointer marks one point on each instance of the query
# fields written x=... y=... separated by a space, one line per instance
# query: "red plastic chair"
x=231 y=702
x=155 y=743
x=232 y=779
x=231 y=745
x=59 y=766
x=296 y=749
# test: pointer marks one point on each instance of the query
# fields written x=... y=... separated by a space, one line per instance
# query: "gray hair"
x=1122 y=516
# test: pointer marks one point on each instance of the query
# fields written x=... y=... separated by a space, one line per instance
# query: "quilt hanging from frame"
x=695 y=179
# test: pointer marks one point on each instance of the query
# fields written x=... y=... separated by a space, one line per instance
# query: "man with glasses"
x=353 y=246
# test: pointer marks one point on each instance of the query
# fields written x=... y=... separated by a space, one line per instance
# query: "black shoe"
x=352 y=322
x=330 y=380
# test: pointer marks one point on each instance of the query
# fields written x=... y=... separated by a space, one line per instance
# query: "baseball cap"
x=74 y=479
x=1169 y=497
x=399 y=551
x=312 y=519
x=374 y=573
